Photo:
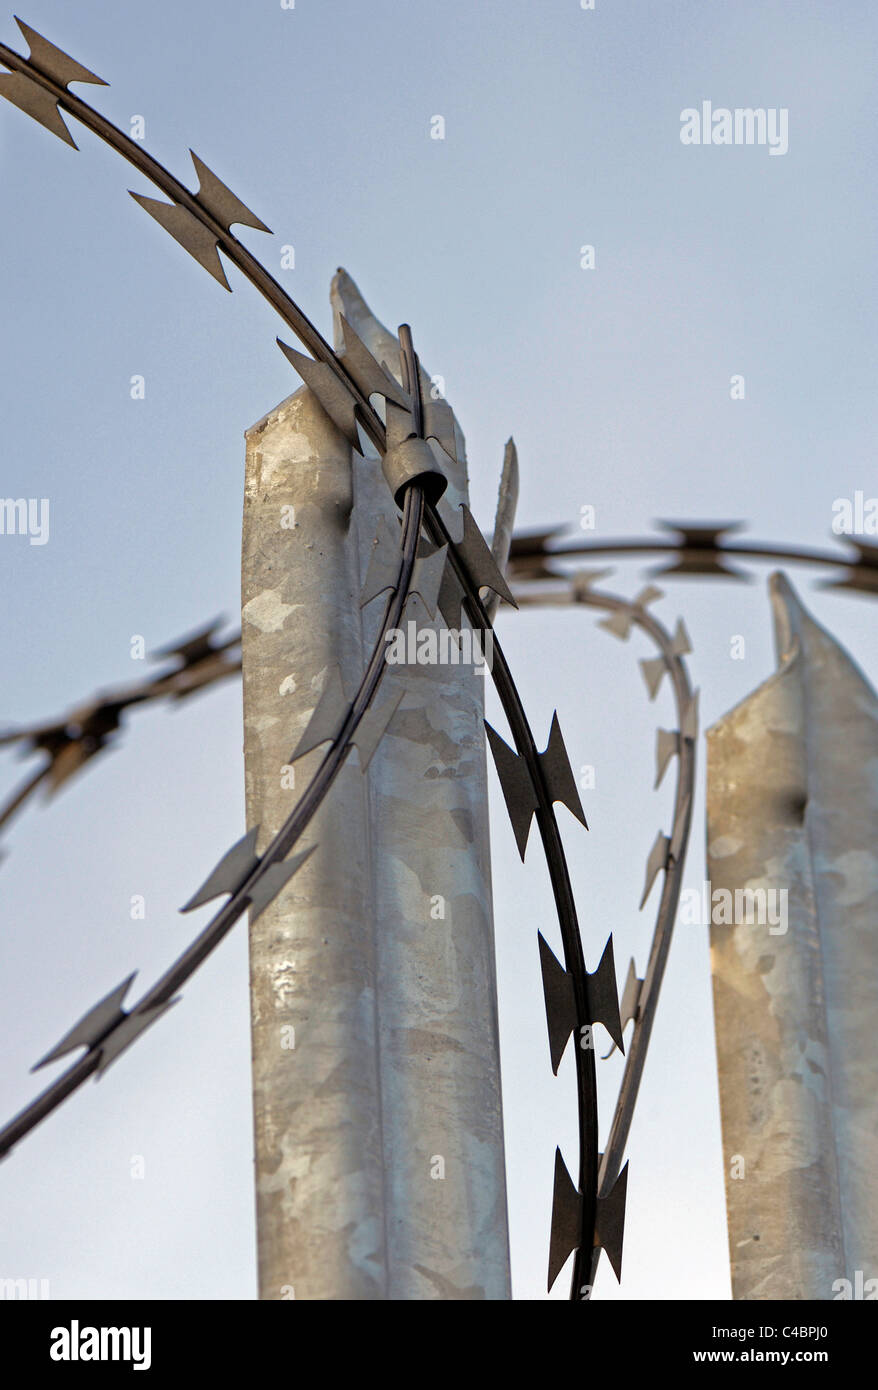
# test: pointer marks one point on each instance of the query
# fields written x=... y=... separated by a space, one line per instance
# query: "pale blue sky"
x=562 y=128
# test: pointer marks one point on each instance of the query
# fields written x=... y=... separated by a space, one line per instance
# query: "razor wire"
x=640 y=994
x=582 y=1221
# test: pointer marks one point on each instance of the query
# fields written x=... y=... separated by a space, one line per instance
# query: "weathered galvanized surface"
x=319 y=1163
x=793 y=805
x=379 y=1147
x=439 y=1051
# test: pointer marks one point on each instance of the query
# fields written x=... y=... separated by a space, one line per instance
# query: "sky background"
x=562 y=129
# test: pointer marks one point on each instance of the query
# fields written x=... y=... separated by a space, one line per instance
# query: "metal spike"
x=630 y=996
x=372 y=727
x=333 y=395
x=629 y=1004
x=186 y=229
x=53 y=61
x=610 y=1222
x=666 y=745
x=504 y=518
x=700 y=549
x=681 y=644
x=558 y=774
x=603 y=996
x=70 y=759
x=518 y=791
x=398 y=424
x=861 y=576
x=566 y=1204
x=560 y=1002
x=450 y=600
x=618 y=623
x=370 y=375
x=235 y=866
x=275 y=878
x=130 y=1028
x=690 y=718
x=581 y=583
x=328 y=716
x=189 y=679
x=653 y=669
x=34 y=100
x=679 y=830
x=222 y=204
x=191 y=648
x=92 y=1026
x=700 y=537
x=702 y=564
x=383 y=569
x=647 y=596
x=438 y=422
x=427 y=578
x=476 y=554
x=658 y=859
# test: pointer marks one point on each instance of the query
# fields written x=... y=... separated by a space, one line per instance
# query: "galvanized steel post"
x=378 y=1122
x=792 y=810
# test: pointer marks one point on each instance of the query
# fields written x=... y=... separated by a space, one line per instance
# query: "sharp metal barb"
x=703 y=536
x=373 y=726
x=603 y=996
x=630 y=1003
x=646 y=596
x=372 y=377
x=399 y=424
x=53 y=61
x=618 y=623
x=428 y=577
x=518 y=790
x=383 y=567
x=124 y=1034
x=560 y=1002
x=653 y=669
x=70 y=759
x=476 y=554
x=582 y=583
x=610 y=1222
x=274 y=880
x=328 y=716
x=701 y=563
x=681 y=645
x=558 y=773
x=438 y=424
x=658 y=860
x=235 y=867
x=185 y=228
x=220 y=202
x=515 y=782
x=566 y=1210
x=35 y=101
x=192 y=648
x=667 y=744
x=504 y=518
x=338 y=402
x=92 y=1026
x=179 y=685
x=862 y=575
